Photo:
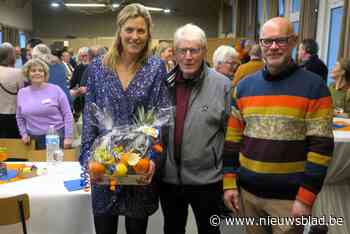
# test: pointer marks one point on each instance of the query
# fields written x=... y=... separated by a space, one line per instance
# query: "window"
x=0 y=37
x=22 y=39
x=333 y=38
x=281 y=7
x=295 y=4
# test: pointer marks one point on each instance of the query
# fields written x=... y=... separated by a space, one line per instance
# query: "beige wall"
x=56 y=25
x=16 y=16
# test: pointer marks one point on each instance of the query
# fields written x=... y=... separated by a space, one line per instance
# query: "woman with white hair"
x=57 y=70
x=41 y=105
x=226 y=60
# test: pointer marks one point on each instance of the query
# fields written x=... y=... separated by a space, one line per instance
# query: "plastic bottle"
x=53 y=152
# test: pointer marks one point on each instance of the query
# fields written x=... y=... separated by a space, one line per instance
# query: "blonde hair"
x=162 y=47
x=35 y=62
x=131 y=11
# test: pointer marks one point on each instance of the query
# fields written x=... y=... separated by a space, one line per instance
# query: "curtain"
x=10 y=35
x=6 y=34
x=308 y=19
x=273 y=11
x=344 y=46
x=246 y=19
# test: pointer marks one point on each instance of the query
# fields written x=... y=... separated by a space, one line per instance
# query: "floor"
x=155 y=225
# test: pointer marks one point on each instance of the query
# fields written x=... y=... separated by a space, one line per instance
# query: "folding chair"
x=14 y=210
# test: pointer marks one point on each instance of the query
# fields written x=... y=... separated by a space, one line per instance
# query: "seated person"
x=340 y=89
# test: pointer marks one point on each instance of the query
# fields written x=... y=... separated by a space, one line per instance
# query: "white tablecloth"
x=53 y=209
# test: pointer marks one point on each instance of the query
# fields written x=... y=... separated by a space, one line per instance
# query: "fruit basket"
x=123 y=155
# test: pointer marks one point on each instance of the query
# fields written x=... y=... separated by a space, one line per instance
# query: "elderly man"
x=11 y=80
x=255 y=64
x=309 y=60
x=279 y=139
x=192 y=171
x=226 y=60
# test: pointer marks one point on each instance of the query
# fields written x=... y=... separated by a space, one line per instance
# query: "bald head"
x=277 y=40
x=278 y=25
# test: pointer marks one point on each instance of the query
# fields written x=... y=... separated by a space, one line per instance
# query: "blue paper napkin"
x=73 y=185
x=339 y=125
x=10 y=175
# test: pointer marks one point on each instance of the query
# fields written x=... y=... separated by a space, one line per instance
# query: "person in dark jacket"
x=308 y=58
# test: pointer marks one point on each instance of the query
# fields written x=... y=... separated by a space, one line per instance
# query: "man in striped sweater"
x=279 y=139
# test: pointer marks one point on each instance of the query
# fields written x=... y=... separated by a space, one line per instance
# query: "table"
x=334 y=198
x=53 y=210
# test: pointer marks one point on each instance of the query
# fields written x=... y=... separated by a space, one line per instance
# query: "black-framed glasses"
x=280 y=41
x=183 y=51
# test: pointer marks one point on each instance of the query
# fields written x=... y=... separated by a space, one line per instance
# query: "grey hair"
x=222 y=53
x=84 y=50
x=43 y=52
x=190 y=32
x=35 y=62
x=7 y=55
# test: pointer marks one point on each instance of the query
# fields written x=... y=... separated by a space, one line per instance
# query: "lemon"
x=120 y=170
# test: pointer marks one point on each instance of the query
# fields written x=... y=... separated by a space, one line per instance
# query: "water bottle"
x=53 y=152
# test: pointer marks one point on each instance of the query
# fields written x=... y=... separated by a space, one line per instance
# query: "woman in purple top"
x=125 y=79
x=42 y=104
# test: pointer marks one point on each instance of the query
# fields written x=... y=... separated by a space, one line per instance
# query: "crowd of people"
x=254 y=132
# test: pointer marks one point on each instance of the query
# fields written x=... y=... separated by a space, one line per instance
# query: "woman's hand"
x=67 y=143
x=148 y=176
x=26 y=139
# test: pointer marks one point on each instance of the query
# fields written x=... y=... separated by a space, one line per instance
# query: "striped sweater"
x=279 y=139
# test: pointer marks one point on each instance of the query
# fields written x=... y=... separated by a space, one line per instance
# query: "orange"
x=96 y=168
x=142 y=166
x=3 y=156
x=158 y=148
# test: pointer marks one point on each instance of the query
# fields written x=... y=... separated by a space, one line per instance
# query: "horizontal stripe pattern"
x=275 y=128
x=287 y=138
x=274 y=151
x=318 y=159
x=270 y=167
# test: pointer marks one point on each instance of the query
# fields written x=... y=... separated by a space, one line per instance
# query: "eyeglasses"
x=280 y=41
x=183 y=51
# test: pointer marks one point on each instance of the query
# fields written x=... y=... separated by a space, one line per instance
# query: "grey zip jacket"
x=199 y=161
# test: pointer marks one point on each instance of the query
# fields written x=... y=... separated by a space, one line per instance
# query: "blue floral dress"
x=148 y=88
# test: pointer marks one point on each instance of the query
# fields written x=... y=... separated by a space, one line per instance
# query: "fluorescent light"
x=84 y=5
x=166 y=11
x=55 y=4
x=154 y=8
x=115 y=5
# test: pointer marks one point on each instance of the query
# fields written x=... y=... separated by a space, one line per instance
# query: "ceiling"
x=178 y=7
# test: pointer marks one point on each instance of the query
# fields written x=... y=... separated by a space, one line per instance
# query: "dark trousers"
x=108 y=224
x=204 y=199
x=8 y=126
